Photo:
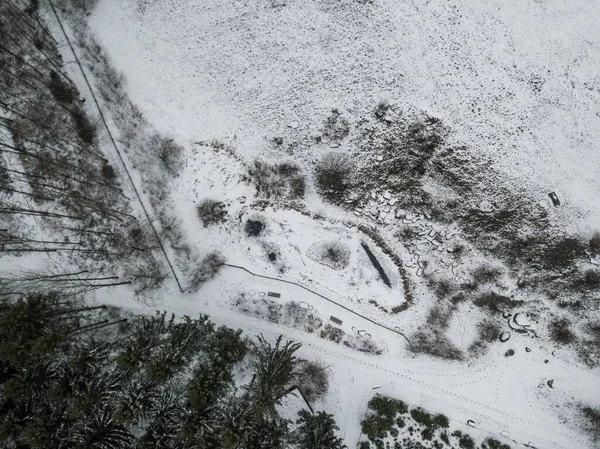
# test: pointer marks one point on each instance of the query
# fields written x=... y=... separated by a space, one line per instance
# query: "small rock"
x=334 y=145
x=393 y=201
x=294 y=125
x=387 y=195
x=486 y=206
x=527 y=349
x=242 y=199
x=504 y=336
x=380 y=158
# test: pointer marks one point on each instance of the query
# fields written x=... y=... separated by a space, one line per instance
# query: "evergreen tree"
x=317 y=431
x=274 y=368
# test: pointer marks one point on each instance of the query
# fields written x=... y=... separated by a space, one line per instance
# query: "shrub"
x=167 y=152
x=444 y=438
x=488 y=330
x=211 y=212
x=560 y=331
x=284 y=180
x=441 y=421
x=336 y=127
x=495 y=444
x=595 y=243
x=312 y=379
x=400 y=422
x=333 y=254
x=389 y=407
x=422 y=417
x=376 y=426
x=61 y=90
x=253 y=228
x=495 y=302
x=364 y=445
x=562 y=254
x=332 y=333
x=592 y=278
x=466 y=442
x=486 y=274
x=434 y=343
x=206 y=270
x=381 y=109
x=108 y=172
x=509 y=353
x=427 y=434
x=84 y=128
x=592 y=417
x=333 y=172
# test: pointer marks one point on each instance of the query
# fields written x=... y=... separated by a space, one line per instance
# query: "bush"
x=488 y=330
x=592 y=278
x=444 y=438
x=333 y=254
x=422 y=417
x=560 y=331
x=563 y=253
x=466 y=442
x=336 y=127
x=333 y=172
x=253 y=228
x=495 y=444
x=441 y=421
x=376 y=426
x=284 y=180
x=592 y=417
x=167 y=152
x=427 y=434
x=84 y=128
x=364 y=445
x=434 y=343
x=108 y=172
x=61 y=90
x=486 y=274
x=389 y=407
x=206 y=270
x=495 y=302
x=211 y=212
x=595 y=243
x=312 y=379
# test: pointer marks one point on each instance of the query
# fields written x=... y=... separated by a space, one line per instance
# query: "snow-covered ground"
x=515 y=81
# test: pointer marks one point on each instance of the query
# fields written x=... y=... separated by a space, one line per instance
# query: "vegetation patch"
x=496 y=303
x=211 y=212
x=278 y=181
x=333 y=254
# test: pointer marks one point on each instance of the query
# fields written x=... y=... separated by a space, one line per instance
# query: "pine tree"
x=274 y=368
x=317 y=431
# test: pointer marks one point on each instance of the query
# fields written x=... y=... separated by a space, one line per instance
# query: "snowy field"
x=516 y=82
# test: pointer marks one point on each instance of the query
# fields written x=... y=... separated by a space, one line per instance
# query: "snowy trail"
x=461 y=392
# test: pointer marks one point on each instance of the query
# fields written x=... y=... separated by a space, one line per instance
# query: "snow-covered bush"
x=312 y=379
x=560 y=331
x=279 y=181
x=211 y=212
x=595 y=243
x=206 y=270
x=333 y=254
x=334 y=171
x=336 y=127
x=592 y=278
x=168 y=153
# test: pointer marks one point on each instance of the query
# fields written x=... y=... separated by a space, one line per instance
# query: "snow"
x=515 y=80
